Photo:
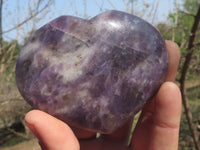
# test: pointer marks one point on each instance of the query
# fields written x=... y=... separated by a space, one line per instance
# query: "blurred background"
x=177 y=20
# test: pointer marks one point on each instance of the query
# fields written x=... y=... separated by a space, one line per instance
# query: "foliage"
x=185 y=140
x=8 y=59
x=181 y=31
x=185 y=20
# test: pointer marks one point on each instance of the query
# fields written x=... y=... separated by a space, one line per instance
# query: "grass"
x=193 y=93
x=185 y=140
x=13 y=141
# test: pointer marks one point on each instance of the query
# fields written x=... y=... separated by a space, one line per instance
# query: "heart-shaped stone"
x=92 y=74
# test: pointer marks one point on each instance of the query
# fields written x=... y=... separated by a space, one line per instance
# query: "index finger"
x=173 y=60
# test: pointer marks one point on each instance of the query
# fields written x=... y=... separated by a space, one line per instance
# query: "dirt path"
x=193 y=83
x=28 y=145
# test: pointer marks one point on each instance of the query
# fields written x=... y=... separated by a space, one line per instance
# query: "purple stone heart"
x=92 y=74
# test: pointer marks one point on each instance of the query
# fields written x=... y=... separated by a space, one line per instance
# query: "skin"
x=157 y=128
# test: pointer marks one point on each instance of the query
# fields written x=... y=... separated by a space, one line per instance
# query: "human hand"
x=157 y=128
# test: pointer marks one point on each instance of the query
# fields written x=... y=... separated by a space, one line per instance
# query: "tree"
x=190 y=48
x=184 y=30
x=12 y=106
x=1 y=6
x=35 y=10
x=187 y=37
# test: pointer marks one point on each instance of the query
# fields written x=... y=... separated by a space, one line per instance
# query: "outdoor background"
x=177 y=20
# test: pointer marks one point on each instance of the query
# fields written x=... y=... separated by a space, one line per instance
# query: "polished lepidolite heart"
x=92 y=74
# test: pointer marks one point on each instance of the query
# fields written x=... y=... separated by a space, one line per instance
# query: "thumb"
x=52 y=133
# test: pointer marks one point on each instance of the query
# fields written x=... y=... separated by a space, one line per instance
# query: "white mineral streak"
x=45 y=56
x=84 y=101
x=65 y=109
x=28 y=49
x=44 y=90
x=102 y=104
x=73 y=62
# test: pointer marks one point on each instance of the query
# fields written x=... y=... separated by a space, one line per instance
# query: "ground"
x=26 y=145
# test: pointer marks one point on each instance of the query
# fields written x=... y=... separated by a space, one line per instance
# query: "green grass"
x=185 y=139
x=13 y=141
x=193 y=93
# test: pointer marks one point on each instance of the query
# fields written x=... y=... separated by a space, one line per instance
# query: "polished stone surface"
x=93 y=74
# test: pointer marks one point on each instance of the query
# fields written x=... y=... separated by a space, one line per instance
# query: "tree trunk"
x=2 y=59
x=176 y=20
x=183 y=76
x=1 y=37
